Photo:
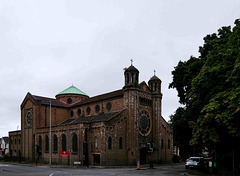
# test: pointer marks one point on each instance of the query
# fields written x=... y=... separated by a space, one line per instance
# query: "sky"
x=48 y=45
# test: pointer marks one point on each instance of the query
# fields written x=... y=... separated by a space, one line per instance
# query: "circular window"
x=69 y=100
x=29 y=118
x=79 y=112
x=71 y=113
x=144 y=123
x=109 y=106
x=88 y=110
x=97 y=108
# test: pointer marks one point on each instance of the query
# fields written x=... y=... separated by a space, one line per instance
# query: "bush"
x=6 y=157
x=175 y=158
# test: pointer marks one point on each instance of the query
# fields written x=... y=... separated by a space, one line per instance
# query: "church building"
x=121 y=127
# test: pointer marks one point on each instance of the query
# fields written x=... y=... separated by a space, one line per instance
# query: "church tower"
x=155 y=86
x=131 y=77
x=131 y=96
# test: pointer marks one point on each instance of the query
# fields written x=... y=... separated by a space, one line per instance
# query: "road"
x=30 y=170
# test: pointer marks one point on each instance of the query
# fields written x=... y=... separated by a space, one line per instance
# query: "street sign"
x=77 y=163
x=150 y=150
x=150 y=147
x=64 y=154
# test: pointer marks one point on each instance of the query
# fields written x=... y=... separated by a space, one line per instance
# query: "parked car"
x=195 y=163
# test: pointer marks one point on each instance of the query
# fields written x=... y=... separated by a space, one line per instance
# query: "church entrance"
x=96 y=159
x=144 y=156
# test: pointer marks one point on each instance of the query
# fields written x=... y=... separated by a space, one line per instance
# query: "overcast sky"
x=48 y=45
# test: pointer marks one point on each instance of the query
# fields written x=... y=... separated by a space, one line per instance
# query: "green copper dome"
x=72 y=90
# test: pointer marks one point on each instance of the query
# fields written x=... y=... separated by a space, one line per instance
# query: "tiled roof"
x=46 y=101
x=132 y=68
x=117 y=93
x=153 y=78
x=67 y=121
x=72 y=90
x=106 y=116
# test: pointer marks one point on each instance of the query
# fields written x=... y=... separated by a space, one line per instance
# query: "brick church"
x=117 y=128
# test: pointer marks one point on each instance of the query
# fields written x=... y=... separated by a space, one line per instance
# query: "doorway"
x=96 y=159
x=144 y=156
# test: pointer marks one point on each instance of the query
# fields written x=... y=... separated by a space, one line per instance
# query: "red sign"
x=64 y=154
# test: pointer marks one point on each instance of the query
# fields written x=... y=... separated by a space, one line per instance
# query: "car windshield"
x=193 y=160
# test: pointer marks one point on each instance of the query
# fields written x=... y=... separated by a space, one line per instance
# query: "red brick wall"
x=58 y=115
x=117 y=104
x=75 y=98
x=15 y=144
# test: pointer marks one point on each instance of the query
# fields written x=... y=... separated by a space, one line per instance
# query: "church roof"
x=46 y=101
x=117 y=93
x=102 y=117
x=132 y=68
x=154 y=78
x=72 y=90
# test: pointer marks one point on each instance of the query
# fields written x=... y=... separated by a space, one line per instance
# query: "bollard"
x=210 y=167
x=138 y=165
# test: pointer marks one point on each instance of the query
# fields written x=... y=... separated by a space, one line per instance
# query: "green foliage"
x=209 y=87
x=216 y=90
x=181 y=131
x=6 y=157
x=175 y=158
x=182 y=77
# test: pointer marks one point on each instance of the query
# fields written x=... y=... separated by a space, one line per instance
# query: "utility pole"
x=50 y=137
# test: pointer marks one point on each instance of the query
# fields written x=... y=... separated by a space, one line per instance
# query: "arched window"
x=95 y=142
x=79 y=111
x=46 y=144
x=127 y=78
x=97 y=108
x=120 y=143
x=71 y=113
x=74 y=143
x=64 y=142
x=55 y=143
x=69 y=101
x=108 y=106
x=162 y=144
x=109 y=142
x=132 y=78
x=39 y=143
x=88 y=110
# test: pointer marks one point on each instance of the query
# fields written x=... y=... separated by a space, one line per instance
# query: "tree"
x=183 y=75
x=181 y=132
x=209 y=87
x=216 y=89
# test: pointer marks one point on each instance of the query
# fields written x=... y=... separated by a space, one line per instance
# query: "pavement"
x=40 y=165
x=189 y=172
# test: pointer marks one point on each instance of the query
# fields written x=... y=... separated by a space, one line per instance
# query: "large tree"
x=209 y=88
x=183 y=75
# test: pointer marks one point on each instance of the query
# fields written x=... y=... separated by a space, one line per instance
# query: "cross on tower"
x=154 y=72
x=131 y=61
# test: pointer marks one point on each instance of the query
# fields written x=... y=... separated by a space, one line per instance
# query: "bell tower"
x=131 y=91
x=131 y=75
x=155 y=86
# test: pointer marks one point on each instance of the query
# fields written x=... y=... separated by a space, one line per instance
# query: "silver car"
x=194 y=162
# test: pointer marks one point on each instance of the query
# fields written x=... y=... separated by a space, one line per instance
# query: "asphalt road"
x=30 y=170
